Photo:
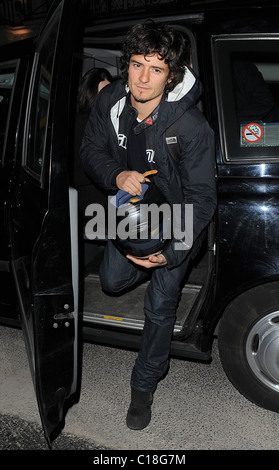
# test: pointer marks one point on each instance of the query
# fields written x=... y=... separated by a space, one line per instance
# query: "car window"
x=8 y=72
x=247 y=87
x=39 y=101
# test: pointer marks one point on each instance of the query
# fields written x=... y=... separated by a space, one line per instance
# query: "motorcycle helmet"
x=143 y=225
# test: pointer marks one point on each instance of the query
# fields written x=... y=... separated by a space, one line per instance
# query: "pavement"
x=195 y=407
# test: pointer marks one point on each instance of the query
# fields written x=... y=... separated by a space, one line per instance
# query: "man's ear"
x=170 y=78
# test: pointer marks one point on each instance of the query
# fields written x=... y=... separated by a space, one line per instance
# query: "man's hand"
x=130 y=181
x=153 y=261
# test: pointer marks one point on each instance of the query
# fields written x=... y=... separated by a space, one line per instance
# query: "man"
x=123 y=139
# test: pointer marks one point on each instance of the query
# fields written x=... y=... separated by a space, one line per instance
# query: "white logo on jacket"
x=122 y=141
x=150 y=155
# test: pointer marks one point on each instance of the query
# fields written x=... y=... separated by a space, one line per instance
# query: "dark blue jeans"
x=118 y=273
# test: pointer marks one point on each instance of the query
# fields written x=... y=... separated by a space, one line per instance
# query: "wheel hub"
x=262 y=350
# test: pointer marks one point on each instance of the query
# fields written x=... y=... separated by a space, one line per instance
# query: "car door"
x=42 y=238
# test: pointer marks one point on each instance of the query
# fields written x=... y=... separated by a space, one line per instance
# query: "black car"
x=49 y=268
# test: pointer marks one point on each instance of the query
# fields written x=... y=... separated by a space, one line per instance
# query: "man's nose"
x=144 y=76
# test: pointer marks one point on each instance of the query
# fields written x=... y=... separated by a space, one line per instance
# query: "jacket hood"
x=184 y=87
x=184 y=96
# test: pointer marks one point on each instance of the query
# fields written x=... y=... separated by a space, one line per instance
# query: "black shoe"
x=139 y=412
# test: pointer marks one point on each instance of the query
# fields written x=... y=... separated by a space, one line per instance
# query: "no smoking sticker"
x=252 y=132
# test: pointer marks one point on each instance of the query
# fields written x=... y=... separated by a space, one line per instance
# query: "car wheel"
x=248 y=340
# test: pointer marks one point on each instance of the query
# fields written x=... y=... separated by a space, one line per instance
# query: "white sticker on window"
x=264 y=134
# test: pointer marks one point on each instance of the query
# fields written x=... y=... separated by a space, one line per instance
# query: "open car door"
x=42 y=237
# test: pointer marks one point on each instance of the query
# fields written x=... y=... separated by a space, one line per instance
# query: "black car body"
x=52 y=269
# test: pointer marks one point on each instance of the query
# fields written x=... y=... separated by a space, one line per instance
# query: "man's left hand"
x=153 y=261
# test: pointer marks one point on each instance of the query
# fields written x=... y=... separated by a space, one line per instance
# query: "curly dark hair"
x=149 y=38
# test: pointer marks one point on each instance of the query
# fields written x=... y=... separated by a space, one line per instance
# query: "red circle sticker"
x=253 y=132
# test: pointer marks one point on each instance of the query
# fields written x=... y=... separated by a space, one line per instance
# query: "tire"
x=248 y=341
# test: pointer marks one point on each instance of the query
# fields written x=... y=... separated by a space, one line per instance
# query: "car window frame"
x=8 y=64
x=33 y=94
x=221 y=47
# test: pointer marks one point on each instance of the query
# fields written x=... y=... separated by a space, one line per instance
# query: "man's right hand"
x=130 y=181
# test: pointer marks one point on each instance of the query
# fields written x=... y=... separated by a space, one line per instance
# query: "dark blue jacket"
x=192 y=181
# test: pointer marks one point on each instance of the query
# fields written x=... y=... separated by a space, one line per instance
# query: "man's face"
x=148 y=77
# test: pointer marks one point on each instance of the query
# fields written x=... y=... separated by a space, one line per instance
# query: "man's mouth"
x=142 y=88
